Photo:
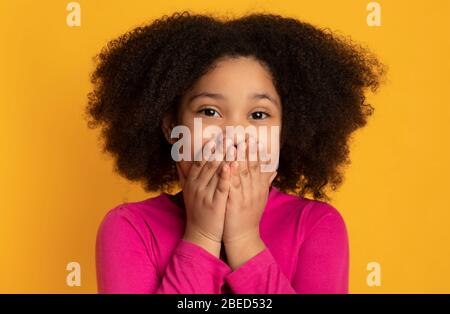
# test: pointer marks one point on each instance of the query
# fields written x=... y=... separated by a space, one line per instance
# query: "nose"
x=236 y=132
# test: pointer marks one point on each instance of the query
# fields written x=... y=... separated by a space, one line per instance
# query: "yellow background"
x=56 y=185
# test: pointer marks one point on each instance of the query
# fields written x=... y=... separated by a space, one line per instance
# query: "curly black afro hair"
x=321 y=79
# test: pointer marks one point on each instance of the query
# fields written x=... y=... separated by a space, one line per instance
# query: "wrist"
x=208 y=244
x=243 y=249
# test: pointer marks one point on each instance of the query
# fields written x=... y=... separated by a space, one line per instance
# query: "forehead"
x=244 y=74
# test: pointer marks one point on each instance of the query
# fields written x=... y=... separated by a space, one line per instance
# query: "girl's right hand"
x=205 y=194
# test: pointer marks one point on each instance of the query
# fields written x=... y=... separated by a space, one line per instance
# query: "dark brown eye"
x=259 y=115
x=209 y=112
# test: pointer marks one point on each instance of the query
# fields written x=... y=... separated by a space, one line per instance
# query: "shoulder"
x=310 y=214
x=139 y=214
x=310 y=207
x=149 y=221
x=320 y=210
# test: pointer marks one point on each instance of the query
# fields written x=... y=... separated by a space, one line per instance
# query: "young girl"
x=232 y=228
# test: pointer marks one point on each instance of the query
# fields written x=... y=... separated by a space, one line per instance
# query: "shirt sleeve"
x=125 y=263
x=322 y=265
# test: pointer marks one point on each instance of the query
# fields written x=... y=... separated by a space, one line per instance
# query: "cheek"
x=202 y=141
x=189 y=123
x=271 y=141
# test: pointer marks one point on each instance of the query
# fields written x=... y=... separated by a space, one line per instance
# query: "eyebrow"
x=256 y=96
x=264 y=96
x=206 y=94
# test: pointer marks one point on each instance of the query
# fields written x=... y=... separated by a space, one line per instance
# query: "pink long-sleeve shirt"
x=140 y=249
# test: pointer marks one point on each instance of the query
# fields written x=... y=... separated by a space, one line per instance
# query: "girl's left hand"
x=247 y=199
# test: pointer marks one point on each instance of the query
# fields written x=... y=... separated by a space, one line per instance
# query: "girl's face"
x=237 y=92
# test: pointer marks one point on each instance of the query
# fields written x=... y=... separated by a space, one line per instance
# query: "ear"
x=167 y=125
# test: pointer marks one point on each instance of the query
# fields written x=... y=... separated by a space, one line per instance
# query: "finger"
x=212 y=184
x=223 y=184
x=244 y=173
x=235 y=192
x=208 y=171
x=235 y=179
x=233 y=166
x=199 y=162
x=241 y=149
